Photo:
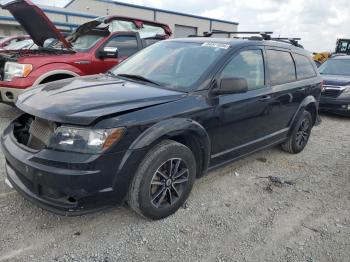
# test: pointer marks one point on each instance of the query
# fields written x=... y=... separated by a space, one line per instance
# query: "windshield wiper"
x=138 y=77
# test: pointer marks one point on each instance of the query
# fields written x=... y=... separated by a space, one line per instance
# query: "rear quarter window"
x=304 y=67
x=281 y=67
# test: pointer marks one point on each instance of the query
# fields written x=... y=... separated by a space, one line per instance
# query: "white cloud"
x=318 y=22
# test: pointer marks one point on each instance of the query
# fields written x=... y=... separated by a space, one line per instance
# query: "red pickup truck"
x=92 y=48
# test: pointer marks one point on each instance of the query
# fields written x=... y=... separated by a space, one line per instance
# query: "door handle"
x=265 y=98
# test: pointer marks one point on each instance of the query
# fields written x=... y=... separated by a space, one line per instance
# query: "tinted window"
x=249 y=65
x=304 y=67
x=281 y=67
x=127 y=45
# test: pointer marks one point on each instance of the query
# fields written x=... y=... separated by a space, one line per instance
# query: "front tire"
x=300 y=134
x=163 y=180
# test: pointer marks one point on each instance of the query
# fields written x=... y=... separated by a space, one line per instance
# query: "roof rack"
x=254 y=36
x=264 y=35
x=293 y=41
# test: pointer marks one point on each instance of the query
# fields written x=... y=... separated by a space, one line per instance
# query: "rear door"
x=287 y=91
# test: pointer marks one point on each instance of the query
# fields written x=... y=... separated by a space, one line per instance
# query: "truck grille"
x=2 y=67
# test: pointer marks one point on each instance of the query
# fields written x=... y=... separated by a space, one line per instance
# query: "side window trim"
x=236 y=53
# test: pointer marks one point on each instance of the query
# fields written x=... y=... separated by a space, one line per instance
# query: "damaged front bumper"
x=62 y=182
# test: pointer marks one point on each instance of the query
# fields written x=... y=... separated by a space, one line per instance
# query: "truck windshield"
x=172 y=64
x=336 y=67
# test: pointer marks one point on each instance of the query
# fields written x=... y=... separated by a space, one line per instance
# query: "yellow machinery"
x=322 y=57
x=342 y=47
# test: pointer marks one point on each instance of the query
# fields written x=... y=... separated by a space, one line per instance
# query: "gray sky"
x=318 y=22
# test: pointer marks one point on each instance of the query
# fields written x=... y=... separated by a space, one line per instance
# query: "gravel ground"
x=233 y=214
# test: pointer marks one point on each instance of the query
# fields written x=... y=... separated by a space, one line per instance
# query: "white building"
x=77 y=12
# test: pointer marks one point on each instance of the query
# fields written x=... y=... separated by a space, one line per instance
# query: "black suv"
x=144 y=132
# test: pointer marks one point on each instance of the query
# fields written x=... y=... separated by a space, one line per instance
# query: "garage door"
x=184 y=31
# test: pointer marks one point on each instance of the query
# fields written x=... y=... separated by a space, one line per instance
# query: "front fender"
x=171 y=128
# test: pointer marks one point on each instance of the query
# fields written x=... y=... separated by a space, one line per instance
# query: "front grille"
x=332 y=91
x=2 y=68
x=41 y=130
x=34 y=132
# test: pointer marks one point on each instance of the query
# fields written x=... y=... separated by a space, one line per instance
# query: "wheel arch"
x=182 y=130
x=310 y=104
x=54 y=73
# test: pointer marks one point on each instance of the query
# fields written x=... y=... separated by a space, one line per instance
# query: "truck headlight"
x=12 y=70
x=84 y=140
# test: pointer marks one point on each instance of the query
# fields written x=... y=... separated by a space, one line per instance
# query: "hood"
x=34 y=21
x=336 y=80
x=122 y=23
x=81 y=101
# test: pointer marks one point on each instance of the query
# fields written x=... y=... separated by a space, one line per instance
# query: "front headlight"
x=12 y=70
x=83 y=140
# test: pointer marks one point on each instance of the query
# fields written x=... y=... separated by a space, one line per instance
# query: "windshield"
x=175 y=65
x=85 y=42
x=336 y=67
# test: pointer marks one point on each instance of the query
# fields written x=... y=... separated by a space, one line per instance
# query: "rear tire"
x=163 y=180
x=300 y=134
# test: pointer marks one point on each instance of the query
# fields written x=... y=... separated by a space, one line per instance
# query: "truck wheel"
x=163 y=180
x=300 y=134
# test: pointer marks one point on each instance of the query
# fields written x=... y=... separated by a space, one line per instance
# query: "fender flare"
x=309 y=100
x=169 y=128
x=52 y=73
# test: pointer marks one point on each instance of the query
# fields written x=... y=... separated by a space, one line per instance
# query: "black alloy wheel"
x=163 y=181
x=168 y=183
x=300 y=135
x=303 y=133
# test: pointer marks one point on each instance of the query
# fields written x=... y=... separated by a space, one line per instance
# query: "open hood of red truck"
x=115 y=23
x=34 y=21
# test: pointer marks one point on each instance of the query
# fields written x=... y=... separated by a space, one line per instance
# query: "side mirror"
x=232 y=86
x=108 y=52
